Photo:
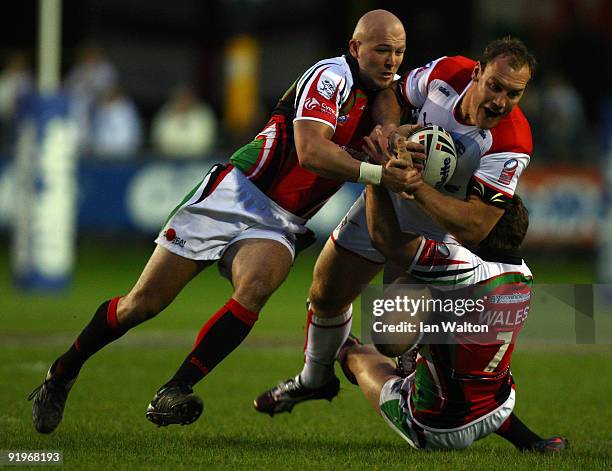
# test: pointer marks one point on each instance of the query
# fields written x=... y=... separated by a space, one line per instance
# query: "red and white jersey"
x=468 y=375
x=490 y=161
x=321 y=94
x=329 y=93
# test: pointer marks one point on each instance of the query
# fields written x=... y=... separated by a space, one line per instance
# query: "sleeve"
x=496 y=177
x=414 y=84
x=319 y=94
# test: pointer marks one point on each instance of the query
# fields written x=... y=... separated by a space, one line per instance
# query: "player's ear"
x=354 y=48
x=476 y=72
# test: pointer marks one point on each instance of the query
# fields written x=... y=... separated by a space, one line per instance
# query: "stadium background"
x=155 y=46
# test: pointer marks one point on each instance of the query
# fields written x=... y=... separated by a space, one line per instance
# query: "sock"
x=517 y=433
x=324 y=337
x=101 y=330
x=217 y=339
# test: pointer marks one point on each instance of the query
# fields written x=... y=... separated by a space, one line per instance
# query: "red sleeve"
x=512 y=134
x=456 y=71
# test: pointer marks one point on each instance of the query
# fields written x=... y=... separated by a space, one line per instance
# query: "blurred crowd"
x=109 y=124
x=565 y=109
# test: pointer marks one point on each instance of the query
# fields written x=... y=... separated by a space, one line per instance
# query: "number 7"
x=506 y=337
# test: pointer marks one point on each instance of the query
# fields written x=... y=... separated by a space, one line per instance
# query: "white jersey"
x=490 y=161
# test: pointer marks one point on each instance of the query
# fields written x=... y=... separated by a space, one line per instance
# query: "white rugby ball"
x=441 y=154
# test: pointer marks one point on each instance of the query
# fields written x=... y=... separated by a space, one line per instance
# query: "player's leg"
x=524 y=439
x=339 y=277
x=371 y=370
x=258 y=267
x=160 y=282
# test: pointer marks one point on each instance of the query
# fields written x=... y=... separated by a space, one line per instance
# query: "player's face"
x=497 y=90
x=379 y=58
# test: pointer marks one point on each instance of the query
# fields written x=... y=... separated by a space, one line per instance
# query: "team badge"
x=508 y=172
x=326 y=88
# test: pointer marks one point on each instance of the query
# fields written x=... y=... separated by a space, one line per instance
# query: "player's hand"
x=399 y=177
x=407 y=150
x=377 y=146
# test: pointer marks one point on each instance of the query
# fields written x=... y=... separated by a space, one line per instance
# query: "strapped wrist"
x=370 y=173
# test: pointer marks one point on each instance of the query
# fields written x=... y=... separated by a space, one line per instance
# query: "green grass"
x=561 y=389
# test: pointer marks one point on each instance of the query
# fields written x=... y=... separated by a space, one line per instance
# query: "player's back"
x=464 y=373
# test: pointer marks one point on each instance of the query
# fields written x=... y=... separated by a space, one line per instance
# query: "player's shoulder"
x=330 y=74
x=512 y=134
x=334 y=66
x=456 y=71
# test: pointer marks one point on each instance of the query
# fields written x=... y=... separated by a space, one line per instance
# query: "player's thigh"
x=162 y=279
x=339 y=277
x=258 y=267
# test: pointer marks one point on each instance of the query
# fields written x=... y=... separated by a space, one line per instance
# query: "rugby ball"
x=441 y=154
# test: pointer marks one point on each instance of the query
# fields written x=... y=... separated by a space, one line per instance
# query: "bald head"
x=378 y=22
x=378 y=44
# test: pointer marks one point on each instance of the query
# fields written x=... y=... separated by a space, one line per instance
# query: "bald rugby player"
x=248 y=216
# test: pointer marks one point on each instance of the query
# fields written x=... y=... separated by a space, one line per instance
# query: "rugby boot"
x=551 y=445
x=49 y=402
x=405 y=364
x=350 y=342
x=284 y=396
x=174 y=404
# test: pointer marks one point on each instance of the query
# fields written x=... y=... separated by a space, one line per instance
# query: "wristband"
x=370 y=173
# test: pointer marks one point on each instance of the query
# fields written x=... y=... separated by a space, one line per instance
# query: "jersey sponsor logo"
x=444 y=90
x=460 y=147
x=312 y=104
x=509 y=298
x=170 y=235
x=343 y=118
x=508 y=172
x=482 y=133
x=326 y=88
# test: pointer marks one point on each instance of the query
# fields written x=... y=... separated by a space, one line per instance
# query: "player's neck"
x=462 y=110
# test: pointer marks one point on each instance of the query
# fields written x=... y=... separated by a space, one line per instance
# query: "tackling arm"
x=386 y=110
x=470 y=221
x=316 y=152
x=384 y=229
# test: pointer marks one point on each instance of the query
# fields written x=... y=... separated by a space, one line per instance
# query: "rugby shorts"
x=223 y=209
x=352 y=233
x=394 y=405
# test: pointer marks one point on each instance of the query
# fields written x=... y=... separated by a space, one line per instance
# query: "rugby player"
x=476 y=101
x=248 y=215
x=462 y=390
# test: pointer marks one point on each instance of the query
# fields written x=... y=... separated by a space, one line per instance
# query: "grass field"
x=560 y=389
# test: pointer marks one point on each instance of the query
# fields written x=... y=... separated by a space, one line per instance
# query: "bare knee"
x=326 y=302
x=139 y=306
x=254 y=292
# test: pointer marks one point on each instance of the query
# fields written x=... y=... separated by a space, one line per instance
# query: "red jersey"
x=330 y=93
x=469 y=375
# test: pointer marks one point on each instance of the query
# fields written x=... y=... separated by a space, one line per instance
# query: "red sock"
x=218 y=338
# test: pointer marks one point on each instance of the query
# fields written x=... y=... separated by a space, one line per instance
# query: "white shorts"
x=395 y=409
x=223 y=209
x=352 y=232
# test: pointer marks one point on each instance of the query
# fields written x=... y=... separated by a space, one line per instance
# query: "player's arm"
x=316 y=152
x=386 y=109
x=489 y=191
x=384 y=228
x=470 y=221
